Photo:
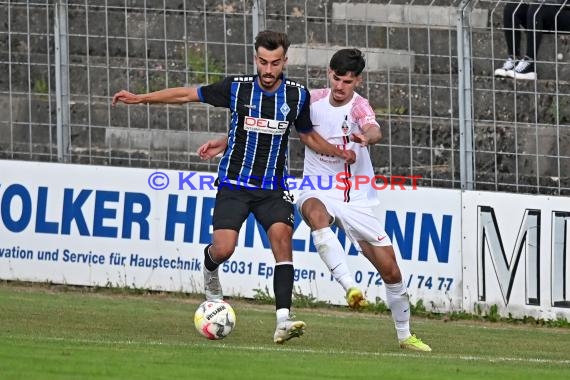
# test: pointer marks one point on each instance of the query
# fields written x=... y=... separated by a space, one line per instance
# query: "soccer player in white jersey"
x=344 y=118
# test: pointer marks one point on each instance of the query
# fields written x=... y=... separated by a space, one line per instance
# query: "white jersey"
x=336 y=124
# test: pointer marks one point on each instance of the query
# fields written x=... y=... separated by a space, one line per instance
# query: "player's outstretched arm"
x=370 y=135
x=175 y=95
x=212 y=148
x=317 y=143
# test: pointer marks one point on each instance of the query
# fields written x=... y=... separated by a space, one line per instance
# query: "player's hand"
x=359 y=138
x=349 y=156
x=212 y=148
x=126 y=97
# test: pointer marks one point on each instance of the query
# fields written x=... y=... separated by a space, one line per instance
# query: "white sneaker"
x=507 y=69
x=287 y=330
x=212 y=286
x=524 y=69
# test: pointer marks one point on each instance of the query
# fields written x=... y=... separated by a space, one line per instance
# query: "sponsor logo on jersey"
x=269 y=126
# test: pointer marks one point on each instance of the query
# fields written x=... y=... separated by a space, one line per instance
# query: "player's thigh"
x=316 y=210
x=316 y=214
x=360 y=224
x=231 y=209
x=273 y=206
x=274 y=211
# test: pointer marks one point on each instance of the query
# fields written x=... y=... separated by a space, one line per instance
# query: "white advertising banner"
x=110 y=226
x=515 y=254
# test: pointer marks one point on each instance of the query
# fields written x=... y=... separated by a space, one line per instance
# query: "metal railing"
x=429 y=76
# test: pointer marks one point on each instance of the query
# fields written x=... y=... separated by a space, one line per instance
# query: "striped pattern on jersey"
x=347 y=171
x=259 y=130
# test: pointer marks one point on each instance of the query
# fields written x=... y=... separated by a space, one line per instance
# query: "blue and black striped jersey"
x=258 y=136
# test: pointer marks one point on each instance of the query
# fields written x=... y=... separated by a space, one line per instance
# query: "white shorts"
x=358 y=222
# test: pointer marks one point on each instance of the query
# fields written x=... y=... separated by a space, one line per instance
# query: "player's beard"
x=267 y=81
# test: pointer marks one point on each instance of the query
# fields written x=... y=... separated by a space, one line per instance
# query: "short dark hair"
x=272 y=40
x=347 y=60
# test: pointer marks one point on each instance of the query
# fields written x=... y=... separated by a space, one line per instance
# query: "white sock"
x=282 y=315
x=399 y=305
x=333 y=255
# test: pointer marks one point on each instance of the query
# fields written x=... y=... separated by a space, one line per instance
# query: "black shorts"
x=233 y=205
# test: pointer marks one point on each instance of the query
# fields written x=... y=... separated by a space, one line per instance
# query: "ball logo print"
x=214 y=319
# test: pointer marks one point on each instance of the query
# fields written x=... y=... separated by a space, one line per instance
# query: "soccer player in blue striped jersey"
x=252 y=171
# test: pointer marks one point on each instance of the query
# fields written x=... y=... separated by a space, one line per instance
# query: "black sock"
x=283 y=285
x=210 y=264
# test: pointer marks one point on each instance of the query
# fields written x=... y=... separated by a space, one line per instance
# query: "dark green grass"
x=74 y=334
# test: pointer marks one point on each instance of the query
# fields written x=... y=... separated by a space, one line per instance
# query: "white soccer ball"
x=215 y=319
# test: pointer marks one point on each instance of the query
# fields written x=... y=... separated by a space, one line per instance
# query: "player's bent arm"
x=372 y=133
x=175 y=95
x=212 y=148
x=317 y=143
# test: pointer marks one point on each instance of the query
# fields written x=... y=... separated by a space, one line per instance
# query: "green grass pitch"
x=69 y=333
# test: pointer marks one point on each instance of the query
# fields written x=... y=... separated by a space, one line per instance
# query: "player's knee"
x=392 y=274
x=220 y=252
x=317 y=218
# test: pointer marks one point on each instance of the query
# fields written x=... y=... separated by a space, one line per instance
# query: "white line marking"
x=225 y=346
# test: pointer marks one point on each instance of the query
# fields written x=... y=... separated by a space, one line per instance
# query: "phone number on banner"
x=366 y=278
x=419 y=281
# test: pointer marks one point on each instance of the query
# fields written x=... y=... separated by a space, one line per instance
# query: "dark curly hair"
x=272 y=40
x=347 y=60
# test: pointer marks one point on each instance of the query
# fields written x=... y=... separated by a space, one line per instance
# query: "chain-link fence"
x=430 y=78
